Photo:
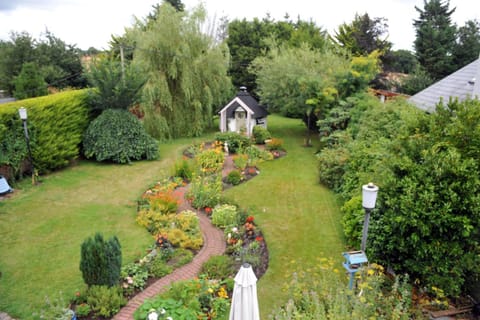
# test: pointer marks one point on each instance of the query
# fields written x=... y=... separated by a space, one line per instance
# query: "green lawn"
x=299 y=218
x=42 y=227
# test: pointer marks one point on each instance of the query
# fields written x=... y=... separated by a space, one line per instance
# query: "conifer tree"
x=101 y=261
x=435 y=38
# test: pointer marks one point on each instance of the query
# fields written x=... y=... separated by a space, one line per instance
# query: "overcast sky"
x=90 y=23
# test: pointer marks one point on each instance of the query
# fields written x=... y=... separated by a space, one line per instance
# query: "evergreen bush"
x=118 y=136
x=101 y=261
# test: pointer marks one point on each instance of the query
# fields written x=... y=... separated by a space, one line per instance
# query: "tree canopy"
x=59 y=63
x=186 y=74
x=435 y=38
x=363 y=35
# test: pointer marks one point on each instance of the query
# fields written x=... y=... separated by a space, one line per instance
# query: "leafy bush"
x=260 y=134
x=101 y=261
x=234 y=140
x=183 y=170
x=181 y=257
x=275 y=144
x=83 y=310
x=55 y=309
x=158 y=268
x=205 y=191
x=352 y=221
x=210 y=161
x=105 y=301
x=190 y=299
x=118 y=136
x=321 y=293
x=134 y=275
x=240 y=161
x=224 y=215
x=234 y=177
x=218 y=267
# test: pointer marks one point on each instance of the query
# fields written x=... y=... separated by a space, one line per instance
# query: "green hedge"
x=55 y=124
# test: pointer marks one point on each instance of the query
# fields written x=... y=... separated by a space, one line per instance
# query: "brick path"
x=213 y=244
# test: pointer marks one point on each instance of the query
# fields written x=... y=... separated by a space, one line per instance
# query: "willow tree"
x=186 y=73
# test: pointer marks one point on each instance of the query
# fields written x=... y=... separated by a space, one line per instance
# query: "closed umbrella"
x=244 y=300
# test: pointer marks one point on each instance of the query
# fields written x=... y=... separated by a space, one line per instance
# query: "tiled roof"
x=258 y=110
x=460 y=84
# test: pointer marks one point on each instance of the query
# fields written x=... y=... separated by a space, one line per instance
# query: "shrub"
x=352 y=221
x=205 y=191
x=163 y=202
x=218 y=267
x=210 y=161
x=105 y=301
x=224 y=215
x=234 y=177
x=101 y=260
x=260 y=134
x=180 y=258
x=183 y=170
x=134 y=275
x=83 y=310
x=275 y=144
x=235 y=140
x=321 y=293
x=55 y=309
x=118 y=136
x=240 y=161
x=158 y=268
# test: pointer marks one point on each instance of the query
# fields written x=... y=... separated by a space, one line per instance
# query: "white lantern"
x=23 y=113
x=369 y=196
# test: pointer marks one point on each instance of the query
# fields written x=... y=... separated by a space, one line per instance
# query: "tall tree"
x=250 y=39
x=364 y=35
x=14 y=53
x=435 y=38
x=30 y=82
x=467 y=47
x=186 y=73
x=61 y=65
x=116 y=86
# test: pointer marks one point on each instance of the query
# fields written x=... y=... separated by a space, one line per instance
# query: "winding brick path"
x=213 y=244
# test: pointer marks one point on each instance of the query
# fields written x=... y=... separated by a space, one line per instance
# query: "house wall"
x=250 y=124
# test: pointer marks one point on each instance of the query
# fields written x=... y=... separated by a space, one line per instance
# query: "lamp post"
x=369 y=197
x=23 y=115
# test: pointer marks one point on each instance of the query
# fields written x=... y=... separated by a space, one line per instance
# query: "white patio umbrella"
x=244 y=300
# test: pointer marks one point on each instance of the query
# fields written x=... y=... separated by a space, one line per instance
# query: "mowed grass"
x=42 y=227
x=299 y=218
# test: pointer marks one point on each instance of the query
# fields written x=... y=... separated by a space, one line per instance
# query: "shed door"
x=241 y=120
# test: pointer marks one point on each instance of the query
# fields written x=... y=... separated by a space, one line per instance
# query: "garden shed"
x=242 y=113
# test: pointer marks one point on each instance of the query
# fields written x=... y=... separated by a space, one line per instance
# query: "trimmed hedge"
x=55 y=123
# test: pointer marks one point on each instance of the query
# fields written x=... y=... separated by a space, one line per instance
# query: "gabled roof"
x=460 y=84
x=244 y=100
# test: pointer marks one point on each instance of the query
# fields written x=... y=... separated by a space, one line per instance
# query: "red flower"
x=208 y=210
x=259 y=238
x=250 y=219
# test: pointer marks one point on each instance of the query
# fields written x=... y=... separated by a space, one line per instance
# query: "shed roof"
x=461 y=84
x=258 y=111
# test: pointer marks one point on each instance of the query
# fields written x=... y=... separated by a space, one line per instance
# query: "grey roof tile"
x=461 y=84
